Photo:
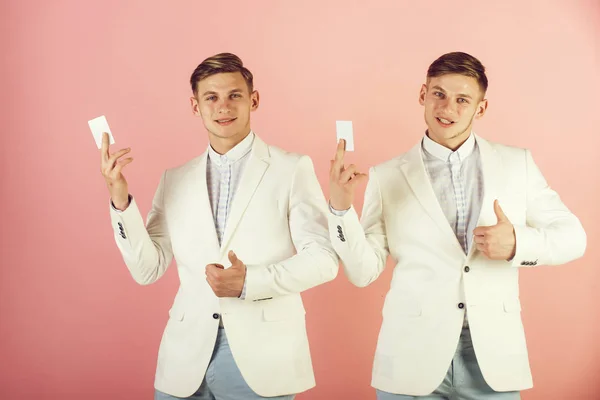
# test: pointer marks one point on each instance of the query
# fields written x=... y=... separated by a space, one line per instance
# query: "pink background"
x=74 y=325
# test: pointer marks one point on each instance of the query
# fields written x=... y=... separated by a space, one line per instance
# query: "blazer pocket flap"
x=512 y=306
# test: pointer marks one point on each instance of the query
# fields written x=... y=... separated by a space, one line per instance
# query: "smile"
x=225 y=122
x=444 y=121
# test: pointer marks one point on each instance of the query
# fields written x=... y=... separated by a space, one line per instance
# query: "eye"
x=463 y=101
x=438 y=94
x=236 y=96
x=211 y=98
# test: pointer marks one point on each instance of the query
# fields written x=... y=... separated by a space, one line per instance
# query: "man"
x=247 y=224
x=460 y=216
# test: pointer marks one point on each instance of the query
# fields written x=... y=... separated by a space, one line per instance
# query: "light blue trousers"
x=223 y=380
x=463 y=381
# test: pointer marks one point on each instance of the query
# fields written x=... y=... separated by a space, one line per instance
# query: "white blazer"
x=431 y=285
x=277 y=227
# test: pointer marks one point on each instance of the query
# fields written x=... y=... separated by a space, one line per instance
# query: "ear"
x=254 y=100
x=422 y=94
x=195 y=106
x=481 y=108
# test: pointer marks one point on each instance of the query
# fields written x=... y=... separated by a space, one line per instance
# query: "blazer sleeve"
x=145 y=248
x=315 y=261
x=553 y=234
x=362 y=245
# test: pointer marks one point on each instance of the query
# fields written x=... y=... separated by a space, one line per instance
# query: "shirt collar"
x=444 y=153
x=233 y=155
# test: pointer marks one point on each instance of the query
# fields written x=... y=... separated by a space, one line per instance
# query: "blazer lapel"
x=202 y=200
x=493 y=183
x=250 y=179
x=418 y=179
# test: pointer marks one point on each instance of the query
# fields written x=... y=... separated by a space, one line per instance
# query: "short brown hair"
x=459 y=63
x=217 y=64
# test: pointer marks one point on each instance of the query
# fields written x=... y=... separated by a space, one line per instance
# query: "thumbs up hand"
x=227 y=282
x=497 y=242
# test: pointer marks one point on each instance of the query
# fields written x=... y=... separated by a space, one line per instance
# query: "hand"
x=112 y=165
x=342 y=180
x=227 y=282
x=497 y=242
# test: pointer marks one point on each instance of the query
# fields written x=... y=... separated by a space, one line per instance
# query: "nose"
x=223 y=107
x=448 y=107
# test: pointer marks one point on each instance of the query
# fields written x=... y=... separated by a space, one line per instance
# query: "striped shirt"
x=223 y=173
x=457 y=181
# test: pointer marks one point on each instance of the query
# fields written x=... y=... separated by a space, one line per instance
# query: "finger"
x=482 y=248
x=340 y=152
x=480 y=231
x=213 y=275
x=334 y=171
x=479 y=239
x=105 y=144
x=121 y=164
x=208 y=269
x=112 y=160
x=232 y=257
x=348 y=173
x=213 y=270
x=499 y=212
x=358 y=178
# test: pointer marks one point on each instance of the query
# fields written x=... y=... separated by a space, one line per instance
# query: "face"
x=452 y=102
x=224 y=103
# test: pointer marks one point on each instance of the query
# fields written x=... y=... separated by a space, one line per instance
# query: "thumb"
x=499 y=213
x=233 y=258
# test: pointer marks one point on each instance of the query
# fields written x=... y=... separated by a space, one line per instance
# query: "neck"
x=223 y=144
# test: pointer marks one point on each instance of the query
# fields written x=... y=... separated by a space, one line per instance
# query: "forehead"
x=222 y=82
x=455 y=83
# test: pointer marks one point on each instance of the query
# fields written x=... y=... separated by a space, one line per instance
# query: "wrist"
x=340 y=206
x=121 y=204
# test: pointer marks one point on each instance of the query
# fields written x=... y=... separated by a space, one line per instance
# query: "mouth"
x=444 y=122
x=225 y=121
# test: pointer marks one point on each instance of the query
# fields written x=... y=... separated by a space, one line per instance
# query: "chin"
x=225 y=132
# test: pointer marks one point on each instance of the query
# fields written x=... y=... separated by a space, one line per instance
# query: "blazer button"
x=467 y=269
x=216 y=316
x=461 y=305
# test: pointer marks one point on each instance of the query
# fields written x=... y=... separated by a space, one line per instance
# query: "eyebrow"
x=230 y=92
x=459 y=95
